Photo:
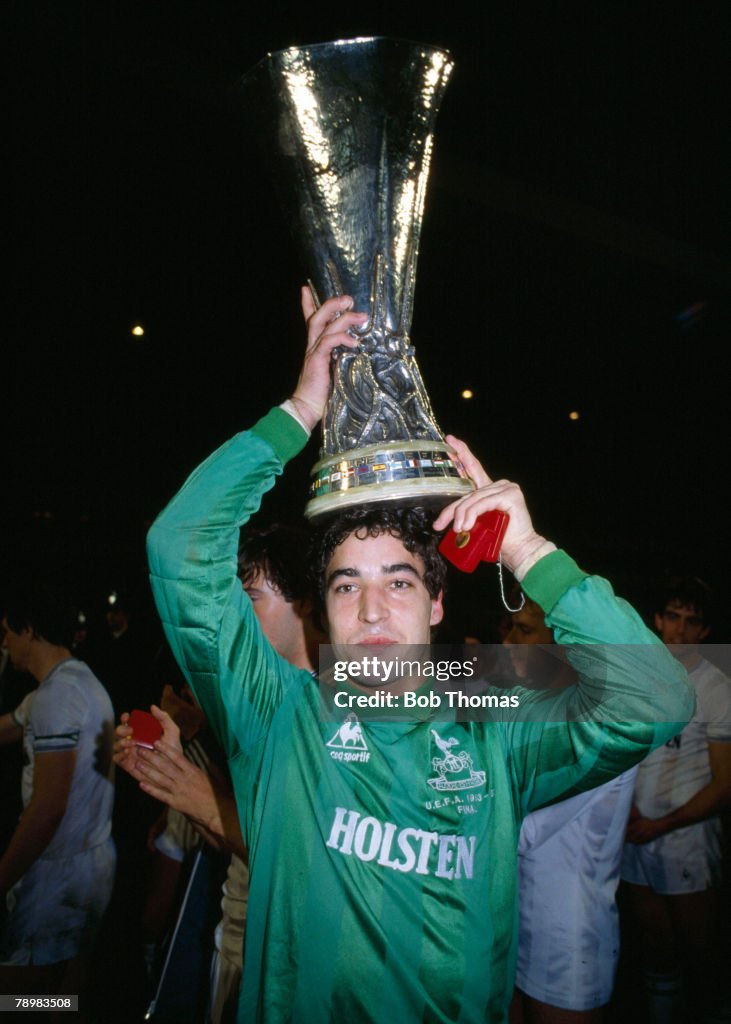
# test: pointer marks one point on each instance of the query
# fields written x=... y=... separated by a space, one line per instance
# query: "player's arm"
x=10 y=731
x=234 y=672
x=52 y=776
x=712 y=799
x=632 y=694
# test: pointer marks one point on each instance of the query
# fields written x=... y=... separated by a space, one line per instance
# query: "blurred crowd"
x=624 y=910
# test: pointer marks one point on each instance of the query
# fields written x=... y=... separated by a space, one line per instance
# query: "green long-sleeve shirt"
x=375 y=897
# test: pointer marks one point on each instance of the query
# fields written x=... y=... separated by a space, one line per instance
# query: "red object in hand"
x=145 y=729
x=482 y=543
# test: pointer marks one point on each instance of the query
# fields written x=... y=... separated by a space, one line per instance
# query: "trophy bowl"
x=348 y=130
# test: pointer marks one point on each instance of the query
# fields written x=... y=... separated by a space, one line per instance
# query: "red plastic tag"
x=480 y=544
x=146 y=729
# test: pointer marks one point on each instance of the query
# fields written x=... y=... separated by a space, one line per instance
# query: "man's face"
x=680 y=624
x=117 y=619
x=18 y=645
x=280 y=619
x=528 y=628
x=375 y=594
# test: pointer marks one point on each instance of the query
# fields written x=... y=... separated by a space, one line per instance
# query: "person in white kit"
x=57 y=873
x=568 y=871
x=672 y=859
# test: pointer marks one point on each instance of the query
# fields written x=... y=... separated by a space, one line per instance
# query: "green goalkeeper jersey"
x=377 y=894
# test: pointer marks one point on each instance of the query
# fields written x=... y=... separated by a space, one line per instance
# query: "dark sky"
x=575 y=255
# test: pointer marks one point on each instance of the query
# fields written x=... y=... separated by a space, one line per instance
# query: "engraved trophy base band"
x=407 y=473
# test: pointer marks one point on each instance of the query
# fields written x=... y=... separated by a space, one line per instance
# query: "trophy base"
x=407 y=473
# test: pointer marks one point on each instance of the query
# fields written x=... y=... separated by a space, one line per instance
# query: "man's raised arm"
x=192 y=547
x=633 y=695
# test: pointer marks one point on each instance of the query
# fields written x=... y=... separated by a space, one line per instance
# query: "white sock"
x=664 y=991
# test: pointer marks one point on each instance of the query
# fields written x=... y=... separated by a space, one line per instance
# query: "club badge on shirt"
x=455 y=771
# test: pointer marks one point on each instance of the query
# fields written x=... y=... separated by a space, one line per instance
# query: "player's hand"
x=327 y=328
x=521 y=538
x=644 y=830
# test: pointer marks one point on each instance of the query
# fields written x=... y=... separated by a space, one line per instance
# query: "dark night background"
x=575 y=256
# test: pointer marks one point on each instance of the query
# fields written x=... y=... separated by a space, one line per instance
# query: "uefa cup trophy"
x=347 y=128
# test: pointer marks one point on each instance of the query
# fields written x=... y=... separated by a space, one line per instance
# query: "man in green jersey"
x=383 y=853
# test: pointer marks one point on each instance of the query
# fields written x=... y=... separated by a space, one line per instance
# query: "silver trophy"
x=348 y=130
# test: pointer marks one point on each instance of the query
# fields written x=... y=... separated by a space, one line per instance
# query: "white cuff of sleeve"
x=168 y=847
x=522 y=570
x=289 y=407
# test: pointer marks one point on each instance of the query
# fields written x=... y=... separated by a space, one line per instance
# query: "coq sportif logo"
x=348 y=743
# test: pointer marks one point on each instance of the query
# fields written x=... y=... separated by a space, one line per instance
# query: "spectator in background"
x=672 y=860
x=14 y=686
x=56 y=874
x=122 y=655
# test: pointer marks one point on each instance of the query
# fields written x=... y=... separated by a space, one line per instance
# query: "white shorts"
x=56 y=908
x=568 y=872
x=687 y=860
x=568 y=944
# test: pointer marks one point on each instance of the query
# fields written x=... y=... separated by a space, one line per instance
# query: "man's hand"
x=644 y=830
x=327 y=328
x=711 y=799
x=126 y=751
x=522 y=546
x=167 y=775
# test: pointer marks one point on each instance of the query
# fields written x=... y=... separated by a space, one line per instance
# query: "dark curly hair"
x=412 y=526
x=279 y=552
x=45 y=609
x=688 y=591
